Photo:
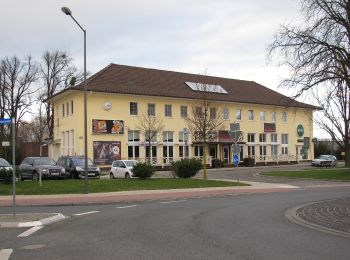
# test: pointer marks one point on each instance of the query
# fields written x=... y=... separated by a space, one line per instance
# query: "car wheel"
x=35 y=176
x=127 y=175
x=111 y=176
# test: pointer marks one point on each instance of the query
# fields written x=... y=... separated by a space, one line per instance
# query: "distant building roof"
x=153 y=82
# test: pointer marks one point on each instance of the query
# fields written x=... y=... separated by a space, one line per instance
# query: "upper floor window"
x=284 y=138
x=251 y=138
x=212 y=113
x=63 y=114
x=167 y=110
x=151 y=109
x=251 y=114
x=183 y=136
x=262 y=138
x=273 y=138
x=183 y=111
x=67 y=106
x=133 y=136
x=198 y=111
x=226 y=113
x=262 y=116
x=133 y=108
x=151 y=135
x=239 y=114
x=71 y=107
x=168 y=137
x=284 y=117
x=273 y=117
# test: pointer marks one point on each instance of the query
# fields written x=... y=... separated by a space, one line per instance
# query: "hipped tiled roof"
x=153 y=82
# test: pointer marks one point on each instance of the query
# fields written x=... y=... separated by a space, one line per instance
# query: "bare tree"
x=18 y=78
x=318 y=53
x=205 y=119
x=149 y=126
x=57 y=73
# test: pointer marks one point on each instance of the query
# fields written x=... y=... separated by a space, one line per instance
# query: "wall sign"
x=300 y=130
x=100 y=126
x=105 y=152
x=269 y=127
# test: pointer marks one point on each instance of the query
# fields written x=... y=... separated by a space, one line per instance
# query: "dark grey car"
x=75 y=167
x=32 y=166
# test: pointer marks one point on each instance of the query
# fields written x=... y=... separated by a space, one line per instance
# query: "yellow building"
x=274 y=127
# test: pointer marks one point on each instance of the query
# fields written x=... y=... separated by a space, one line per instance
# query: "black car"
x=75 y=166
x=32 y=166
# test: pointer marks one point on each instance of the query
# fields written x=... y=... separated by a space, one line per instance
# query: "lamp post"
x=67 y=11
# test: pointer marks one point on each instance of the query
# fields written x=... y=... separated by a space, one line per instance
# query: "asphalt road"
x=234 y=227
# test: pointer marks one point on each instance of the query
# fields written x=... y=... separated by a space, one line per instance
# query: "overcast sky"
x=226 y=38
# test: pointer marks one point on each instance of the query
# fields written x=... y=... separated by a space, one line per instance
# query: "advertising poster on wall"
x=105 y=152
x=107 y=126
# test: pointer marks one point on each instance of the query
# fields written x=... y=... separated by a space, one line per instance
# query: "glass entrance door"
x=226 y=154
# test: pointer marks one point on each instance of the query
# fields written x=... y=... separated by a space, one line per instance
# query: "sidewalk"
x=141 y=195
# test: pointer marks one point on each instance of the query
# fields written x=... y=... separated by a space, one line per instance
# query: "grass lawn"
x=77 y=186
x=320 y=174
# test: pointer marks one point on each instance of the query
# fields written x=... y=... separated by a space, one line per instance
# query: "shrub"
x=186 y=168
x=6 y=176
x=216 y=163
x=248 y=162
x=143 y=170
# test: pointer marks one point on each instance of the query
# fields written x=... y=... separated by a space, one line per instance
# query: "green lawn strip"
x=95 y=186
x=320 y=174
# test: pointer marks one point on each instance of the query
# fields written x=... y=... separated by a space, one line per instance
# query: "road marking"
x=5 y=254
x=30 y=231
x=85 y=213
x=171 y=201
x=125 y=207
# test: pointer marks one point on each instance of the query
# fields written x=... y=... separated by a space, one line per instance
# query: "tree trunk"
x=204 y=162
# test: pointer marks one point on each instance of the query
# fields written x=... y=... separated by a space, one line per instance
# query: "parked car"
x=5 y=164
x=75 y=167
x=32 y=166
x=4 y=168
x=122 y=169
x=325 y=161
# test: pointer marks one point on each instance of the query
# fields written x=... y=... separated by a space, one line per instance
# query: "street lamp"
x=67 y=11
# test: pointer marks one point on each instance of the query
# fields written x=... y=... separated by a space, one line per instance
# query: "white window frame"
x=167 y=110
x=262 y=116
x=226 y=114
x=239 y=114
x=151 y=109
x=284 y=117
x=250 y=115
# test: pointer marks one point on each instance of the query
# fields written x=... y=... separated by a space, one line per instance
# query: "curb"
x=291 y=215
x=42 y=222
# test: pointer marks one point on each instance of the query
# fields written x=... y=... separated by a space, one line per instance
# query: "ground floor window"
x=284 y=149
x=168 y=153
x=251 y=150
x=198 y=150
x=183 y=151
x=263 y=151
x=274 y=151
x=133 y=152
x=151 y=153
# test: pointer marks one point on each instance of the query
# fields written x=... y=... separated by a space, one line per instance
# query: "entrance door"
x=226 y=154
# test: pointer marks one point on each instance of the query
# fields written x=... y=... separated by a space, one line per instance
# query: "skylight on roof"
x=206 y=87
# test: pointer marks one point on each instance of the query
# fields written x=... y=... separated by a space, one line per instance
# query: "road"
x=233 y=227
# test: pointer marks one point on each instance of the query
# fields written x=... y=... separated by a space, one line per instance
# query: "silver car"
x=122 y=169
x=325 y=161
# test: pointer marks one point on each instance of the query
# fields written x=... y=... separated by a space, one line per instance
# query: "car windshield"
x=44 y=161
x=81 y=162
x=325 y=157
x=130 y=163
x=3 y=162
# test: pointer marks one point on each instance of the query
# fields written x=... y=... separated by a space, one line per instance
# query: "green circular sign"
x=300 y=130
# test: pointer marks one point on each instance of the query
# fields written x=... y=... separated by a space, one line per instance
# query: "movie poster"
x=105 y=152
x=107 y=126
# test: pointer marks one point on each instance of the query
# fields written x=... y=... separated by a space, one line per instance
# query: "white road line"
x=124 y=207
x=5 y=254
x=171 y=201
x=30 y=231
x=85 y=213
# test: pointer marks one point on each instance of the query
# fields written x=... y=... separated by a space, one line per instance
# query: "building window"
x=183 y=137
x=198 y=111
x=284 y=117
x=273 y=117
x=71 y=107
x=212 y=113
x=251 y=138
x=251 y=114
x=133 y=152
x=151 y=135
x=63 y=110
x=153 y=153
x=239 y=114
x=133 y=108
x=168 y=137
x=262 y=116
x=251 y=150
x=183 y=151
x=226 y=113
x=273 y=138
x=133 y=145
x=67 y=106
x=262 y=138
x=167 y=110
x=284 y=141
x=198 y=150
x=133 y=136
x=263 y=150
x=151 y=109
x=274 y=151
x=183 y=144
x=168 y=153
x=183 y=111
